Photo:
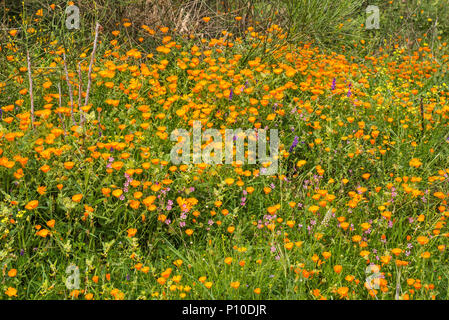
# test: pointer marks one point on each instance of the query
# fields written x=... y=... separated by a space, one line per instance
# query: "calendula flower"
x=132 y=232
x=77 y=197
x=416 y=163
x=422 y=240
x=12 y=273
x=32 y=205
x=11 y=292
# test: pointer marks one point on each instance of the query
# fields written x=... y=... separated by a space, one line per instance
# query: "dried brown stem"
x=80 y=83
x=92 y=57
x=69 y=85
x=30 y=79
x=60 y=105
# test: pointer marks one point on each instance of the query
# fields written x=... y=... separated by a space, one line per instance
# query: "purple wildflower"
x=294 y=144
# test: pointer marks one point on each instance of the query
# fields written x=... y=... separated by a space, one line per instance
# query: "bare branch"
x=30 y=79
x=89 y=75
x=69 y=85
x=60 y=105
x=80 y=83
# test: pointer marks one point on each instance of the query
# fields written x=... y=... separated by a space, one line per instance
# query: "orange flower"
x=365 y=226
x=11 y=292
x=366 y=176
x=117 y=193
x=178 y=263
x=439 y=195
x=77 y=197
x=43 y=233
x=138 y=266
x=45 y=168
x=12 y=273
x=41 y=190
x=166 y=273
x=343 y=291
x=51 y=223
x=338 y=268
x=134 y=204
x=69 y=165
x=415 y=162
x=145 y=269
x=32 y=205
x=132 y=232
x=235 y=284
x=344 y=225
x=106 y=191
x=422 y=240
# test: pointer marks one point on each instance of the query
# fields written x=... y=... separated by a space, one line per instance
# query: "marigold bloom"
x=338 y=268
x=77 y=197
x=32 y=205
x=51 y=223
x=422 y=240
x=12 y=273
x=43 y=233
x=235 y=284
x=132 y=232
x=416 y=163
x=41 y=190
x=69 y=165
x=343 y=292
x=11 y=292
